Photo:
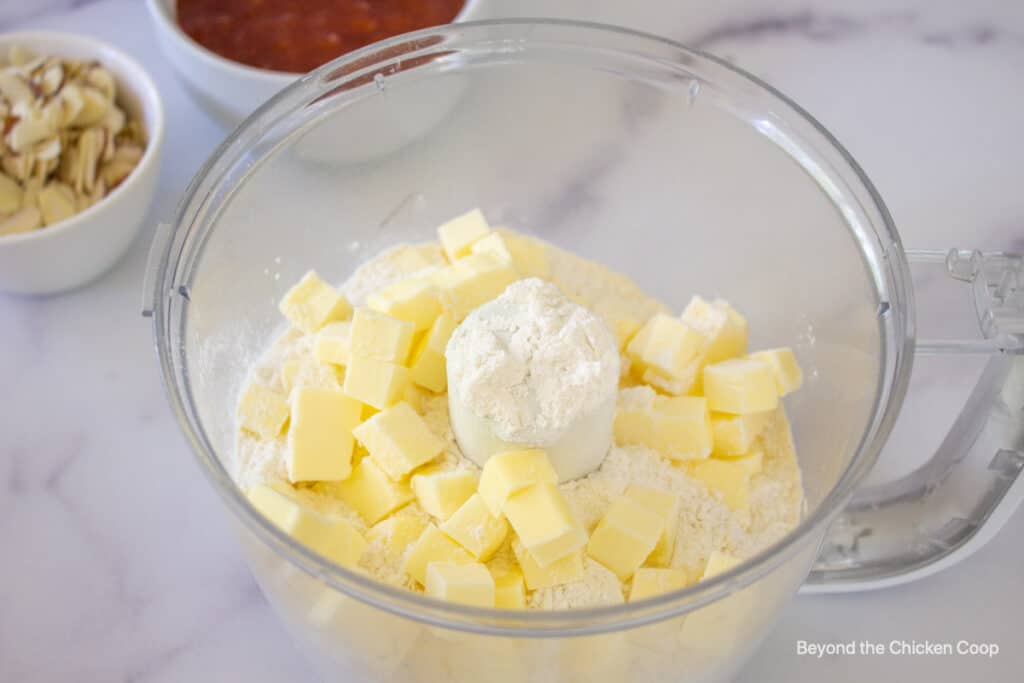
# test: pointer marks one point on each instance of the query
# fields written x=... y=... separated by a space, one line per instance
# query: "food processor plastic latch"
x=952 y=505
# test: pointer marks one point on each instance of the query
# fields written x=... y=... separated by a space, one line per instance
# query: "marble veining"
x=117 y=562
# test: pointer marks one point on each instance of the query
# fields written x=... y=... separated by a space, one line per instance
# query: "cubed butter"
x=312 y=303
x=511 y=472
x=473 y=281
x=740 y=386
x=719 y=562
x=395 y=534
x=399 y=440
x=544 y=523
x=458 y=235
x=669 y=347
x=624 y=329
x=262 y=411
x=647 y=582
x=432 y=546
x=428 y=367
x=306 y=372
x=752 y=461
x=320 y=437
x=625 y=536
x=666 y=505
x=380 y=337
x=730 y=480
x=678 y=427
x=723 y=328
x=735 y=434
x=371 y=493
x=440 y=494
x=414 y=300
x=333 y=537
x=476 y=529
x=493 y=244
x=530 y=256
x=466 y=584
x=332 y=343
x=509 y=589
x=376 y=383
x=559 y=572
x=788 y=375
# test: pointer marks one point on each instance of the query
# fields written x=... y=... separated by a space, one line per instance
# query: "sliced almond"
x=126 y=158
x=71 y=102
x=84 y=201
x=14 y=88
x=30 y=196
x=114 y=120
x=57 y=203
x=94 y=107
x=24 y=220
x=30 y=130
x=90 y=148
x=19 y=166
x=101 y=79
x=52 y=78
x=10 y=194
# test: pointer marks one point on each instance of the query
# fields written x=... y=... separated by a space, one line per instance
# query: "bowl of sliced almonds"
x=82 y=129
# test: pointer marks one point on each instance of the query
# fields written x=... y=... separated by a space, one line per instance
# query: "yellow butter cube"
x=333 y=537
x=678 y=427
x=730 y=480
x=459 y=234
x=509 y=589
x=625 y=329
x=752 y=462
x=565 y=570
x=262 y=411
x=306 y=372
x=788 y=375
x=442 y=493
x=723 y=328
x=312 y=303
x=719 y=562
x=476 y=529
x=395 y=534
x=371 y=493
x=666 y=505
x=625 y=536
x=380 y=337
x=332 y=343
x=735 y=434
x=411 y=258
x=740 y=386
x=376 y=383
x=544 y=523
x=530 y=256
x=466 y=584
x=648 y=582
x=414 y=300
x=399 y=440
x=320 y=437
x=428 y=367
x=511 y=472
x=432 y=546
x=473 y=281
x=669 y=347
x=494 y=245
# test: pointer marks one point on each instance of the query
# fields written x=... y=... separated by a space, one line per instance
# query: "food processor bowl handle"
x=953 y=504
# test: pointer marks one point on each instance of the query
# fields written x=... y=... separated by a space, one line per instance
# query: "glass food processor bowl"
x=662 y=162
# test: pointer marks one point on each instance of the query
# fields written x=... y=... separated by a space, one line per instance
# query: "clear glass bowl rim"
x=180 y=254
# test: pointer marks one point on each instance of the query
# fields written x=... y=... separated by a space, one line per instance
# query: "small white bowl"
x=228 y=90
x=70 y=253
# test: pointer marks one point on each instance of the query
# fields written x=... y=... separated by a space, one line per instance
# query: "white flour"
x=532 y=362
x=705 y=523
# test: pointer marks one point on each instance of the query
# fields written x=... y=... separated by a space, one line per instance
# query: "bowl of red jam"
x=233 y=55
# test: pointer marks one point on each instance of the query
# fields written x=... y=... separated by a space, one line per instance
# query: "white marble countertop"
x=117 y=562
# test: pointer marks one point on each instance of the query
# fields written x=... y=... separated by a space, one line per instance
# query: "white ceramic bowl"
x=77 y=250
x=230 y=91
